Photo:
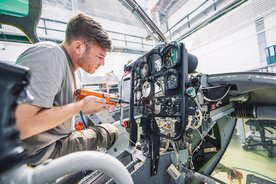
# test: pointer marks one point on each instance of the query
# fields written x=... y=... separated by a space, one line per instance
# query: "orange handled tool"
x=109 y=98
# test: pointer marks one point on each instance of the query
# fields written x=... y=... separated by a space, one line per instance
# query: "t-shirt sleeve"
x=46 y=74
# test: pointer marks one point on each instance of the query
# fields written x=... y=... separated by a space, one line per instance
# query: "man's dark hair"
x=85 y=27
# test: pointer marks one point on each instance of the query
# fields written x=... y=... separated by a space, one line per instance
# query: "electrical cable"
x=136 y=144
x=215 y=100
x=201 y=141
x=176 y=151
x=198 y=146
x=83 y=120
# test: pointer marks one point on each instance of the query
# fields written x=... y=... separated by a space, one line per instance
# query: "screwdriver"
x=110 y=99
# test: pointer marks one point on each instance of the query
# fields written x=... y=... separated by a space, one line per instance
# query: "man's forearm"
x=32 y=120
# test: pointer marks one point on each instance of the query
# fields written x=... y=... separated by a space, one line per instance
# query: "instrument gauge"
x=144 y=69
x=146 y=89
x=172 y=81
x=157 y=65
x=156 y=62
x=171 y=57
x=157 y=106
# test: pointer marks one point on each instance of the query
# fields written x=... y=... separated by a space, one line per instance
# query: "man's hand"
x=91 y=105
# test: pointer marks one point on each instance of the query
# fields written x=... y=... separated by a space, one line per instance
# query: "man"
x=45 y=124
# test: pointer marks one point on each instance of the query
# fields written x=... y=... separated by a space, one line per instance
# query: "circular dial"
x=144 y=69
x=157 y=106
x=172 y=81
x=171 y=57
x=146 y=89
x=157 y=65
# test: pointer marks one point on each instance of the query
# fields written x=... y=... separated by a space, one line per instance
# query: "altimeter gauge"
x=144 y=69
x=172 y=81
x=146 y=89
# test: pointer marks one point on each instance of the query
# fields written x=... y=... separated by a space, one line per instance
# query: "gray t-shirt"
x=52 y=84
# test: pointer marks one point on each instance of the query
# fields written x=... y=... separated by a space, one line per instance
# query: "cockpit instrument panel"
x=158 y=85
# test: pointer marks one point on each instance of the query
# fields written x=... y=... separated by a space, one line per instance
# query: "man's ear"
x=79 y=47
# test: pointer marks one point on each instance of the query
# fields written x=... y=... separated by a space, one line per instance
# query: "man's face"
x=92 y=58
